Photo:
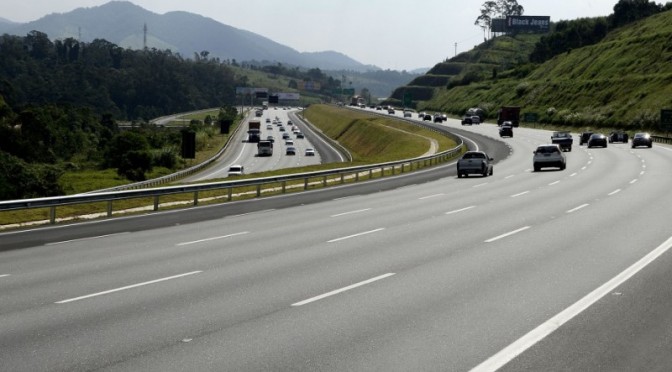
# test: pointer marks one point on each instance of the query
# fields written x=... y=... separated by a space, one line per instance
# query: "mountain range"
x=122 y=23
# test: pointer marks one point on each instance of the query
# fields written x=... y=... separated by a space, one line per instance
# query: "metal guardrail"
x=335 y=175
x=660 y=139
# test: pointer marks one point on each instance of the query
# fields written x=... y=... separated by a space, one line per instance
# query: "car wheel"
x=492 y=171
x=537 y=168
x=563 y=166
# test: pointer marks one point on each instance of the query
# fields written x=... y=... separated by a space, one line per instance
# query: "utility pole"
x=456 y=49
x=144 y=37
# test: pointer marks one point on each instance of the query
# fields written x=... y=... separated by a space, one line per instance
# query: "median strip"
x=322 y=296
x=127 y=287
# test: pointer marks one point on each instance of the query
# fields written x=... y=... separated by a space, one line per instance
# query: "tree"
x=627 y=11
x=497 y=9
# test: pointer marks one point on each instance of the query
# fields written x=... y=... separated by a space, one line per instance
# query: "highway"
x=519 y=271
x=244 y=153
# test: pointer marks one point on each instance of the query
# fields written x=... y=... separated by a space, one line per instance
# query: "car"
x=618 y=136
x=291 y=150
x=268 y=120
x=300 y=135
x=427 y=117
x=549 y=155
x=289 y=122
x=270 y=138
x=563 y=139
x=584 y=137
x=390 y=111
x=379 y=108
x=236 y=170
x=597 y=139
x=289 y=142
x=407 y=114
x=438 y=118
x=310 y=152
x=281 y=128
x=285 y=136
x=475 y=162
x=475 y=119
x=506 y=130
x=269 y=127
x=642 y=139
x=466 y=120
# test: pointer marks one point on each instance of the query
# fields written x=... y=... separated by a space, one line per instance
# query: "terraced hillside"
x=621 y=82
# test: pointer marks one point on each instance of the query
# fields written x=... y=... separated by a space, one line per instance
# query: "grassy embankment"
x=620 y=83
x=370 y=140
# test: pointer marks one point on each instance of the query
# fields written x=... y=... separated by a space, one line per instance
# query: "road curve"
x=419 y=272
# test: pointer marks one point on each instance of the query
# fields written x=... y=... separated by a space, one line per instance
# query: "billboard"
x=535 y=24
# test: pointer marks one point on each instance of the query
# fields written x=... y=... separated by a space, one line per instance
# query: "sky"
x=396 y=35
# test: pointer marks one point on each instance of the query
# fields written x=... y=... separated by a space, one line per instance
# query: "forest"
x=61 y=101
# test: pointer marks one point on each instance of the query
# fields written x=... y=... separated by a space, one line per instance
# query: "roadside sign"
x=530 y=117
x=666 y=119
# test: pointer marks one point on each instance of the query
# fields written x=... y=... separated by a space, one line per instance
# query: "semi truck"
x=254 y=131
x=265 y=148
x=509 y=113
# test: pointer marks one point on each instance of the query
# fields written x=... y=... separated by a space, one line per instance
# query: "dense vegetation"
x=60 y=103
x=611 y=72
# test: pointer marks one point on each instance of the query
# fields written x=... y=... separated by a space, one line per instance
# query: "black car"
x=506 y=130
x=466 y=120
x=584 y=137
x=438 y=118
x=427 y=117
x=597 y=139
x=618 y=136
x=642 y=139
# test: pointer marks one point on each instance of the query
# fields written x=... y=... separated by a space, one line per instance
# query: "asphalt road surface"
x=551 y=270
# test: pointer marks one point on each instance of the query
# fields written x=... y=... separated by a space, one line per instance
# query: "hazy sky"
x=389 y=34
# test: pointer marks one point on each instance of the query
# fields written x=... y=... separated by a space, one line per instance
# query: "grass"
x=622 y=82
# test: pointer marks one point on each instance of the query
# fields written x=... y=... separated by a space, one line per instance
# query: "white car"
x=549 y=155
x=236 y=170
x=310 y=152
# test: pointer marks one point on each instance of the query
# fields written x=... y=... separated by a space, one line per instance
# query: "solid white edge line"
x=328 y=294
x=127 y=287
x=614 y=192
x=213 y=238
x=519 y=346
x=351 y=212
x=355 y=235
x=520 y=194
x=461 y=210
x=507 y=234
x=88 y=238
x=577 y=208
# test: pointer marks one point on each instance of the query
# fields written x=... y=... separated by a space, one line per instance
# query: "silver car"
x=549 y=155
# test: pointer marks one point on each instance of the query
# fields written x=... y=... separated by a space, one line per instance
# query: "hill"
x=122 y=23
x=622 y=81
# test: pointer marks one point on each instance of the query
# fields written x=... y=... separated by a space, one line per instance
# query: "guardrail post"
x=370 y=173
x=324 y=181
x=305 y=183
x=342 y=178
x=109 y=208
x=230 y=194
x=258 y=190
x=284 y=186
x=52 y=215
x=156 y=203
x=195 y=198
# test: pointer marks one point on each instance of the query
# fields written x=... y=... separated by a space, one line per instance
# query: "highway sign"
x=530 y=117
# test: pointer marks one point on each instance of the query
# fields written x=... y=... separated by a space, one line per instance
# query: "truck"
x=264 y=148
x=562 y=139
x=509 y=113
x=254 y=131
x=474 y=162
